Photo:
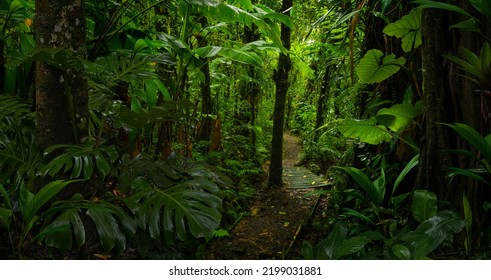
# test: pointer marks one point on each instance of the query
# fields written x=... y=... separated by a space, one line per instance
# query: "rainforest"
x=245 y=129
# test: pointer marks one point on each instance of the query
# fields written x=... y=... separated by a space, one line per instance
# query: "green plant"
x=31 y=207
x=19 y=155
x=386 y=125
x=477 y=68
x=67 y=226
x=422 y=241
x=80 y=161
x=376 y=189
x=171 y=197
x=336 y=246
x=483 y=157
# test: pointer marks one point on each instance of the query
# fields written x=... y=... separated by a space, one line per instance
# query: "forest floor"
x=278 y=216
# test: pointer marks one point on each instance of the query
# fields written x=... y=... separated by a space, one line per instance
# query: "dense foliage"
x=180 y=124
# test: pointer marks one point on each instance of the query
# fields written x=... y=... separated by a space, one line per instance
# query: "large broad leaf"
x=337 y=246
x=399 y=116
x=242 y=56
x=327 y=248
x=432 y=232
x=80 y=160
x=186 y=207
x=365 y=130
x=375 y=68
x=113 y=225
x=408 y=28
x=424 y=205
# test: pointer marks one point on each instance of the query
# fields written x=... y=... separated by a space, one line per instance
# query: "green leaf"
x=474 y=138
x=102 y=165
x=399 y=116
x=242 y=56
x=468 y=24
x=108 y=229
x=385 y=5
x=401 y=252
x=329 y=246
x=190 y=206
x=408 y=28
x=409 y=166
x=5 y=215
x=5 y=196
x=208 y=51
x=30 y=203
x=374 y=193
x=483 y=6
x=454 y=171
x=365 y=130
x=351 y=246
x=359 y=215
x=424 y=205
x=425 y=4
x=307 y=250
x=375 y=68
x=432 y=232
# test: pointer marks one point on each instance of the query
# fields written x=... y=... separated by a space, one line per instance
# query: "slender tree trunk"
x=281 y=81
x=61 y=94
x=322 y=101
x=204 y=133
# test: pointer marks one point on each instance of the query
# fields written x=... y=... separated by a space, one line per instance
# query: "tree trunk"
x=281 y=80
x=435 y=160
x=204 y=132
x=61 y=94
x=322 y=101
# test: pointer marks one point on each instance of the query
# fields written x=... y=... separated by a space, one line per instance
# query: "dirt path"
x=276 y=218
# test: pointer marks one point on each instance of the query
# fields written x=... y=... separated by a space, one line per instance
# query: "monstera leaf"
x=190 y=206
x=375 y=68
x=80 y=160
x=66 y=227
x=408 y=29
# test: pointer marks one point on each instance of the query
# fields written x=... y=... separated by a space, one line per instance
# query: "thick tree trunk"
x=61 y=94
x=435 y=160
x=281 y=81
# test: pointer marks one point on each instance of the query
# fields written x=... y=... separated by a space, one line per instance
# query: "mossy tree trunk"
x=281 y=81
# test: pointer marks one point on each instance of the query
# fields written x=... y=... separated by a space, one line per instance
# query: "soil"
x=277 y=218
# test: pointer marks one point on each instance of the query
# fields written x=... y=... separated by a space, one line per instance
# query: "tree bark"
x=61 y=94
x=281 y=80
x=435 y=160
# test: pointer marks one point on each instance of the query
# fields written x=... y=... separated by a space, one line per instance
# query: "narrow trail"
x=277 y=215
